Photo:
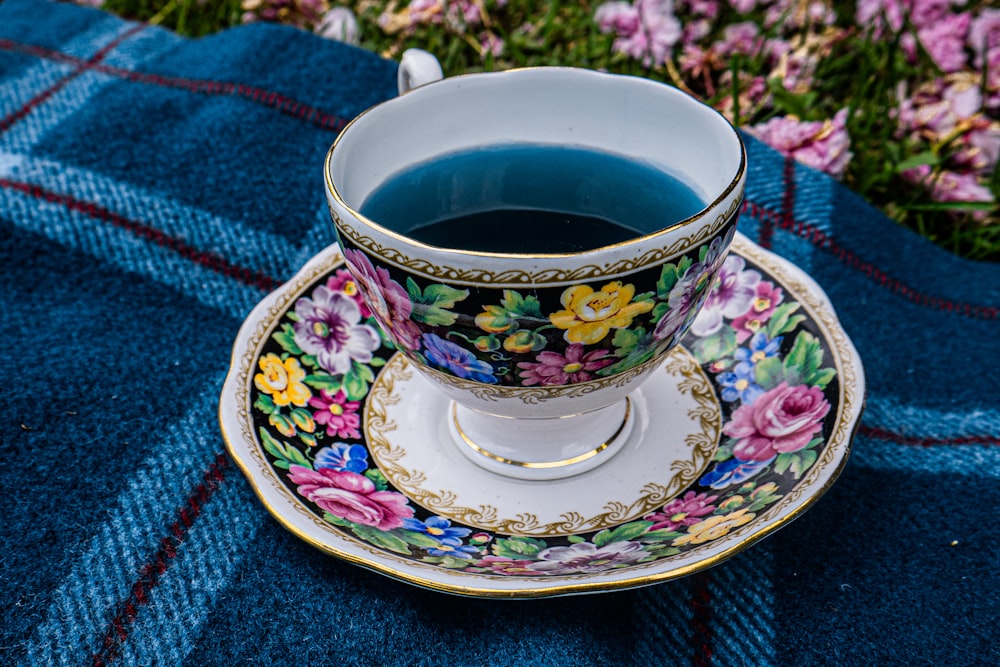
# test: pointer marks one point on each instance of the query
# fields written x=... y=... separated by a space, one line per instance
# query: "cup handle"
x=416 y=68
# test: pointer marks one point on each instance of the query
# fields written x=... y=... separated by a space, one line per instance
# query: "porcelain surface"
x=739 y=431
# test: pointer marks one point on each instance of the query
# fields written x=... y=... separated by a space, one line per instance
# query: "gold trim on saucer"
x=701 y=443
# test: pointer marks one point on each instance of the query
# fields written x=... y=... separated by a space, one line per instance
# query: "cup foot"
x=542 y=448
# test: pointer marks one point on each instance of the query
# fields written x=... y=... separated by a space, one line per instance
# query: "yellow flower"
x=282 y=380
x=714 y=527
x=589 y=315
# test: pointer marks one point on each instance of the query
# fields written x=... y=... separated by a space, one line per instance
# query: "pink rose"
x=351 y=496
x=783 y=419
x=386 y=299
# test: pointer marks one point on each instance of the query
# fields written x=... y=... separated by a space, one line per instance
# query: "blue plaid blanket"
x=153 y=189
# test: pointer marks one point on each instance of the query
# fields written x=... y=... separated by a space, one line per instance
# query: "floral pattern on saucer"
x=771 y=367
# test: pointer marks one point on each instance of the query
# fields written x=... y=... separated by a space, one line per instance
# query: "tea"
x=530 y=199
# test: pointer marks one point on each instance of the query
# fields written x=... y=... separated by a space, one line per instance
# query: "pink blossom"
x=491 y=44
x=684 y=511
x=939 y=107
x=647 y=30
x=793 y=15
x=984 y=35
x=351 y=496
x=426 y=11
x=945 y=41
x=767 y=298
x=743 y=38
x=782 y=420
x=949 y=186
x=823 y=145
x=743 y=6
x=387 y=300
x=708 y=9
x=552 y=368
x=339 y=415
x=980 y=149
x=342 y=281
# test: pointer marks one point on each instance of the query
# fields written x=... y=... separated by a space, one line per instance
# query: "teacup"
x=537 y=351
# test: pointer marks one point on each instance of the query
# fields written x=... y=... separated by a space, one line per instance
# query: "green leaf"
x=271 y=445
x=927 y=157
x=364 y=371
x=668 y=278
x=355 y=386
x=625 y=340
x=286 y=339
x=377 y=362
x=413 y=290
x=517 y=547
x=627 y=532
x=805 y=357
x=783 y=462
x=265 y=404
x=822 y=377
x=336 y=520
x=576 y=539
x=417 y=539
x=521 y=306
x=453 y=563
x=444 y=296
x=716 y=346
x=432 y=315
x=331 y=383
x=782 y=321
x=769 y=372
x=662 y=535
x=803 y=461
x=379 y=538
x=377 y=478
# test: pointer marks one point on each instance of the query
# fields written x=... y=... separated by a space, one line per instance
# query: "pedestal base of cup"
x=541 y=448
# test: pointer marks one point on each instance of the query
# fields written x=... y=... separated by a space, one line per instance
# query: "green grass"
x=856 y=72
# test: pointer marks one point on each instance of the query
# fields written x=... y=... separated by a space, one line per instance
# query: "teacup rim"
x=734 y=183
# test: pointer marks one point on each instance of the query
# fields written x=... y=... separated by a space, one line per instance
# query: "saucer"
x=747 y=423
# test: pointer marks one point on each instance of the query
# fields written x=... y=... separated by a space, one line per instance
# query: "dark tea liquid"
x=530 y=199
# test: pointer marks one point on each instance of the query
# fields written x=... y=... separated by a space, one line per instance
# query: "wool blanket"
x=153 y=189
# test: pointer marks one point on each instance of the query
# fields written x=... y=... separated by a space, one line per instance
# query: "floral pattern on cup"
x=516 y=337
x=767 y=359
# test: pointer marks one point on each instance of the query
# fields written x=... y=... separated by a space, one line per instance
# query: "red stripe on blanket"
x=209 y=260
x=821 y=240
x=149 y=575
x=917 y=441
x=701 y=620
x=81 y=67
x=262 y=96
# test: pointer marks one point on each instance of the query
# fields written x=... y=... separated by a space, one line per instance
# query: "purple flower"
x=341 y=456
x=739 y=38
x=823 y=145
x=731 y=296
x=552 y=368
x=329 y=327
x=647 y=29
x=456 y=360
x=585 y=557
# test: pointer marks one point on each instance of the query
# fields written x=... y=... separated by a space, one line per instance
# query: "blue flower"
x=456 y=360
x=448 y=537
x=732 y=471
x=739 y=384
x=342 y=456
x=758 y=349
